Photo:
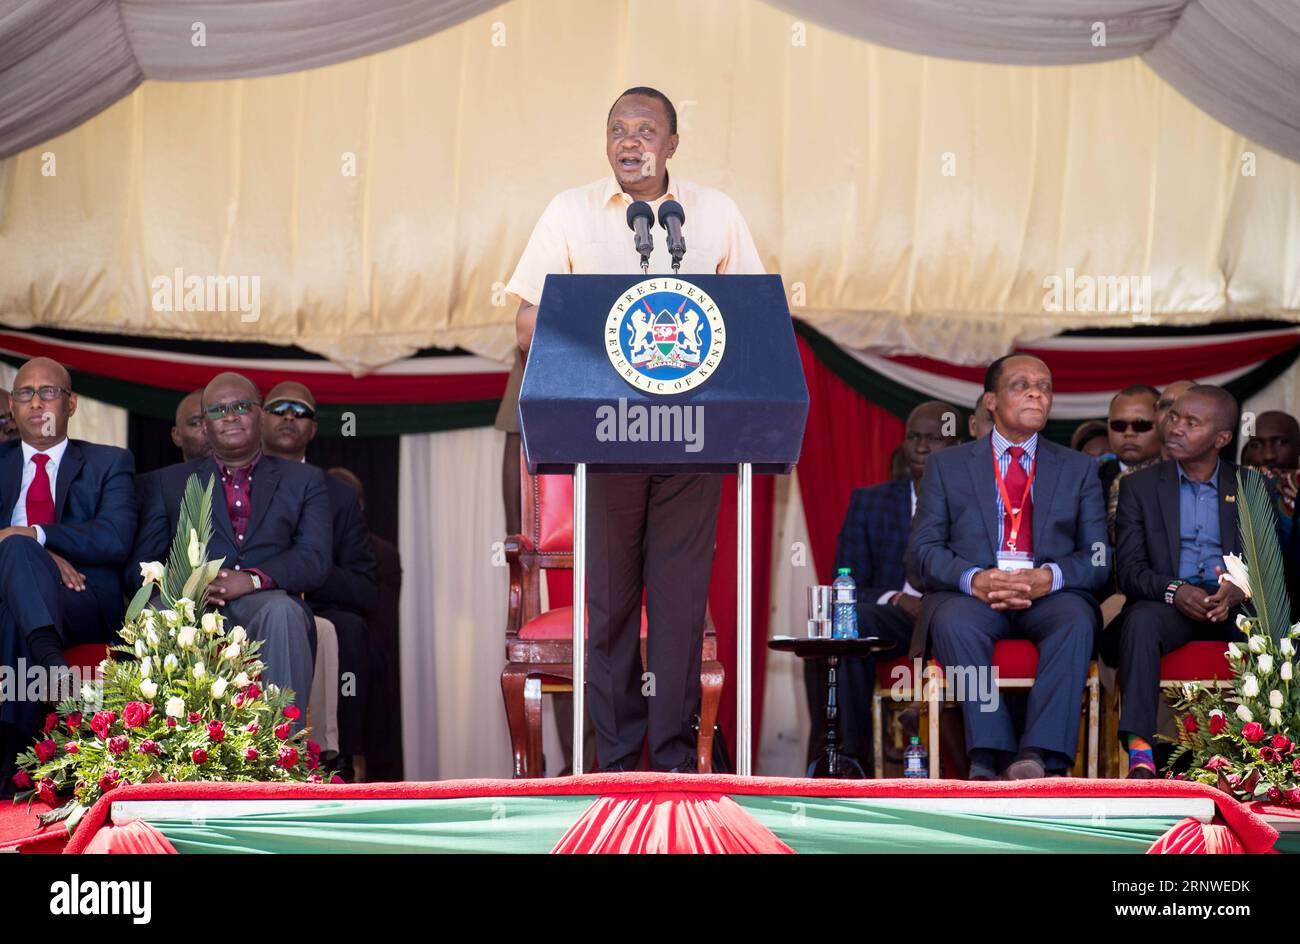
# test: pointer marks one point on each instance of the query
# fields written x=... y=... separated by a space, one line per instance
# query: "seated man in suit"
x=350 y=590
x=1134 y=440
x=1175 y=522
x=270 y=524
x=872 y=544
x=70 y=510
x=1009 y=540
x=190 y=431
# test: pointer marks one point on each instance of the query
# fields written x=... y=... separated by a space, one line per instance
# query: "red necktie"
x=40 y=502
x=1016 y=479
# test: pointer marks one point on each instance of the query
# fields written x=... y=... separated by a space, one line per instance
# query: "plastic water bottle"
x=844 y=600
x=916 y=760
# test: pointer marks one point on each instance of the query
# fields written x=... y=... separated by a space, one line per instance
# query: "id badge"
x=1017 y=560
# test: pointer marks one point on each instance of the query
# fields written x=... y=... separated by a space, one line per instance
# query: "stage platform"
x=666 y=813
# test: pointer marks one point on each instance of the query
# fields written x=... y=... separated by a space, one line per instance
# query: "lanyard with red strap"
x=1014 y=512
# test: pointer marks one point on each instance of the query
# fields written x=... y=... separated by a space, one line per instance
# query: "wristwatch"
x=257 y=581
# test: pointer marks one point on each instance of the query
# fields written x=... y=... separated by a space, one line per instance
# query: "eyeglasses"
x=1139 y=426
x=25 y=394
x=216 y=411
x=299 y=410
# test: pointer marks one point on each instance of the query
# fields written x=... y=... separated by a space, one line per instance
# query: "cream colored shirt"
x=584 y=231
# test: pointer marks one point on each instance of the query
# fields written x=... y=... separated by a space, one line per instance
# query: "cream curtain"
x=910 y=203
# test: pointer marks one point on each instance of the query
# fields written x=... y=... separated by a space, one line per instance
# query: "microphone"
x=640 y=219
x=671 y=218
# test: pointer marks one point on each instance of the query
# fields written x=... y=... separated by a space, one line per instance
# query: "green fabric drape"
x=475 y=824
x=820 y=825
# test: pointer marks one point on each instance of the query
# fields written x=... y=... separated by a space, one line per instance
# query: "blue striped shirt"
x=1001 y=445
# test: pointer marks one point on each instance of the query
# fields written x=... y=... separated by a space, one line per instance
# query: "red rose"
x=250 y=754
x=287 y=758
x=118 y=745
x=252 y=692
x=282 y=731
x=1217 y=763
x=1295 y=766
x=252 y=727
x=1274 y=794
x=107 y=783
x=74 y=723
x=171 y=722
x=216 y=732
x=46 y=791
x=101 y=722
x=51 y=721
x=199 y=755
x=1268 y=755
x=1253 y=732
x=1218 y=724
x=149 y=746
x=238 y=700
x=1292 y=797
x=336 y=779
x=313 y=747
x=313 y=761
x=45 y=751
x=1190 y=725
x=22 y=780
x=194 y=717
x=136 y=713
x=71 y=748
x=292 y=713
x=1281 y=743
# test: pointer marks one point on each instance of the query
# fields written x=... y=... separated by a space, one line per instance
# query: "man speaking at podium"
x=651 y=532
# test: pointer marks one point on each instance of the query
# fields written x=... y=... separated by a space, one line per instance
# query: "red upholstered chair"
x=1016 y=661
x=539 y=646
x=1203 y=661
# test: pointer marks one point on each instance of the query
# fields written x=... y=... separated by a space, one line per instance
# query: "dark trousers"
x=855 y=681
x=354 y=677
x=1062 y=626
x=1149 y=630
x=654 y=532
x=31 y=597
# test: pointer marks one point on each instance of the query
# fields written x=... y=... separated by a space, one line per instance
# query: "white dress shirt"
x=908 y=589
x=19 y=517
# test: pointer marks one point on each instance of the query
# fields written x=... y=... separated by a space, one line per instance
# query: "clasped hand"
x=1011 y=589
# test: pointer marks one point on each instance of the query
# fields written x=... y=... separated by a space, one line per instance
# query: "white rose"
x=1234 y=651
x=199 y=670
x=146 y=667
x=151 y=572
x=139 y=648
x=1265 y=663
x=230 y=652
x=1257 y=644
x=148 y=620
x=1287 y=671
x=210 y=623
x=170 y=663
x=1237 y=573
x=1275 y=717
x=238 y=635
x=148 y=689
x=218 y=688
x=1295 y=630
x=169 y=616
x=1243 y=713
x=1243 y=623
x=88 y=693
x=242 y=680
x=185 y=637
x=1275 y=699
x=1287 y=647
x=186 y=606
x=175 y=706
x=1249 y=685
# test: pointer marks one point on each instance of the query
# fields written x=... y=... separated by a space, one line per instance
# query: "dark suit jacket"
x=1147 y=527
x=352 y=583
x=956 y=527
x=873 y=538
x=288 y=536
x=94 y=511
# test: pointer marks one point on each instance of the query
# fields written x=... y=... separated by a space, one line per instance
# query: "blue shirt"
x=1001 y=445
x=1200 y=545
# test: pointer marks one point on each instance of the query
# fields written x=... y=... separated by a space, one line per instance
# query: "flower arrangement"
x=185 y=702
x=1242 y=739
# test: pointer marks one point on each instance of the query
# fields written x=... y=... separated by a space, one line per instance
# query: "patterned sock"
x=1139 y=754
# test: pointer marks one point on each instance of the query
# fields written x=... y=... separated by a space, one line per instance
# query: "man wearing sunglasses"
x=351 y=589
x=270 y=525
x=69 y=507
x=1134 y=439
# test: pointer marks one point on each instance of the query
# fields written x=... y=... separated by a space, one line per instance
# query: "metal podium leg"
x=744 y=602
x=579 y=612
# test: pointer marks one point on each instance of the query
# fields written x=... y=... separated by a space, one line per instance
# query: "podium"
x=664 y=374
